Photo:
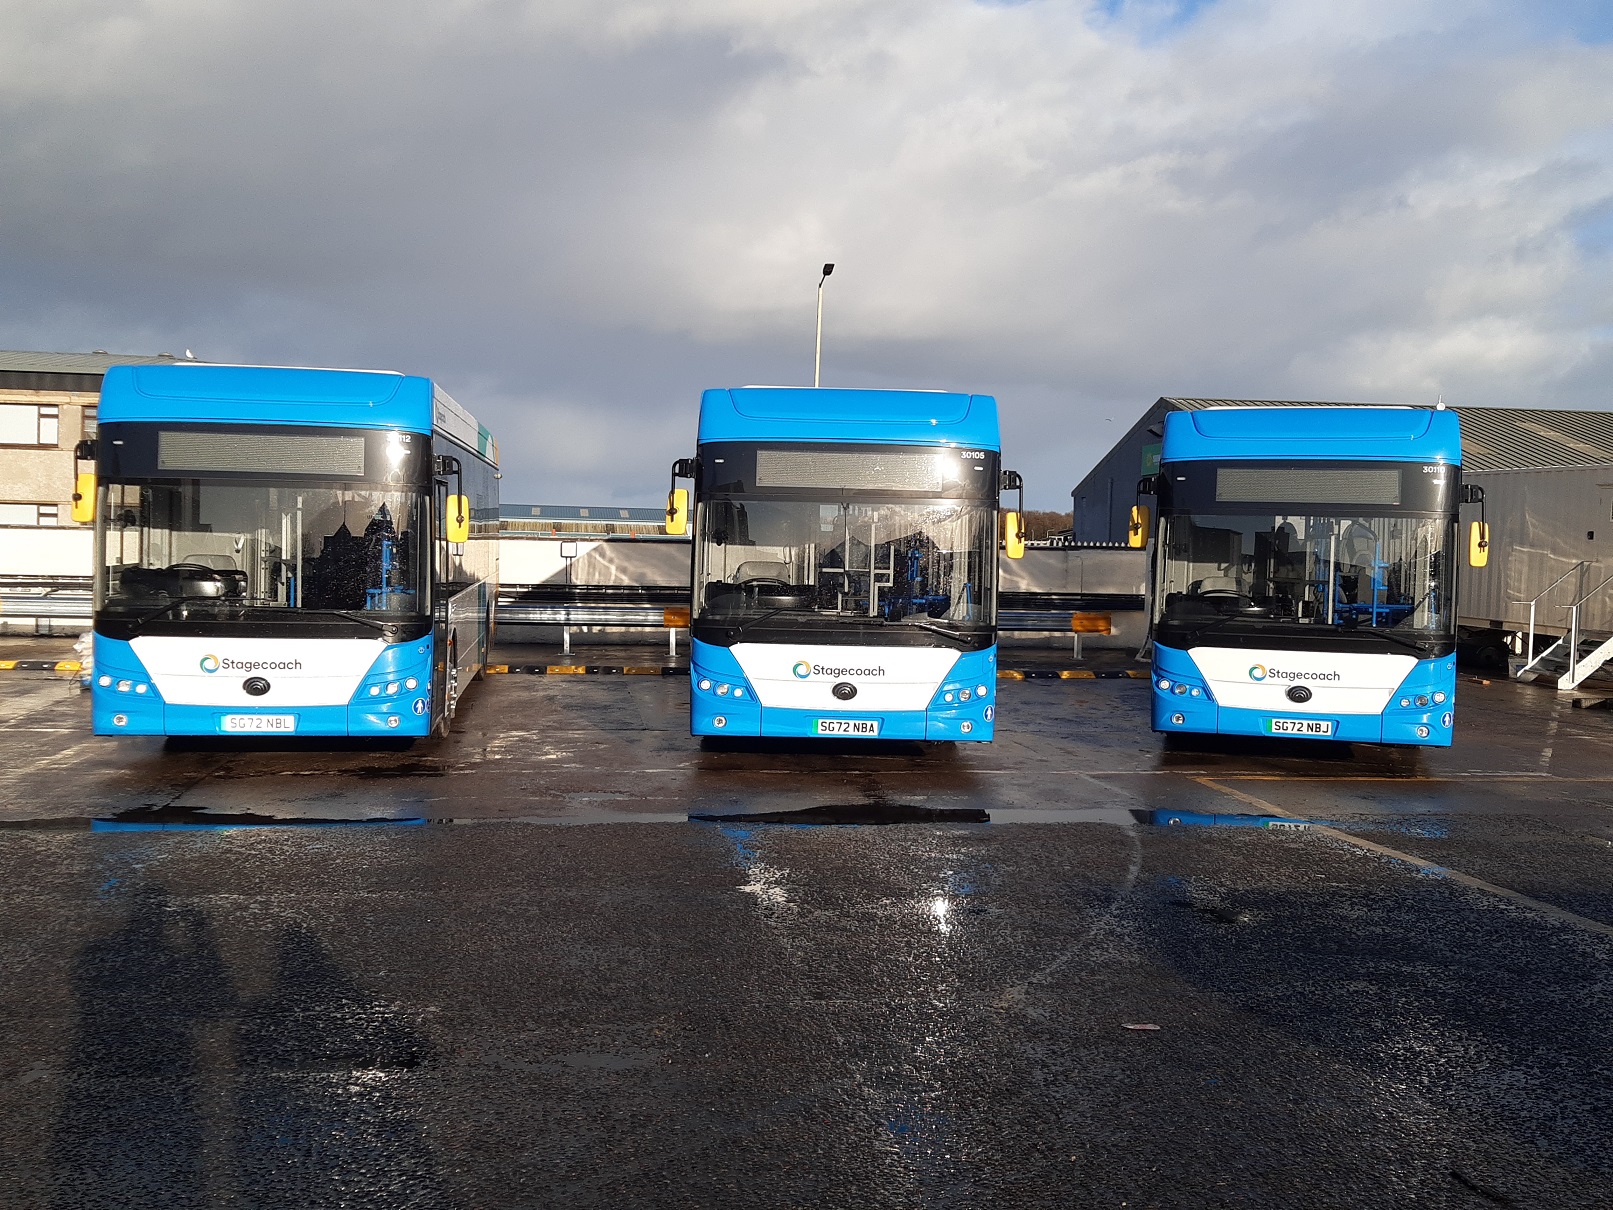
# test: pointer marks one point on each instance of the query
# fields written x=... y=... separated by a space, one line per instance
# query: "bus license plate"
x=1300 y=726
x=277 y=724
x=848 y=726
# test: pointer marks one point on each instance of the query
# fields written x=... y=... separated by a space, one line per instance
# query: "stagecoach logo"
x=211 y=663
x=803 y=669
x=1260 y=672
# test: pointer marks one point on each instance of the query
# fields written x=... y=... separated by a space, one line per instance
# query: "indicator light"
x=719 y=721
x=1422 y=732
x=705 y=684
x=949 y=697
x=120 y=720
x=1197 y=691
x=980 y=691
x=1439 y=698
x=966 y=726
x=411 y=683
x=1405 y=701
x=738 y=692
x=140 y=688
x=375 y=691
x=392 y=720
x=1163 y=683
x=105 y=680
x=1178 y=719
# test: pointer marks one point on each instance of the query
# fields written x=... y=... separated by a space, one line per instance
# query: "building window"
x=92 y=422
x=29 y=514
x=30 y=424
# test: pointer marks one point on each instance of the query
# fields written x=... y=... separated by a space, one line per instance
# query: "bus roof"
x=366 y=399
x=1387 y=434
x=833 y=414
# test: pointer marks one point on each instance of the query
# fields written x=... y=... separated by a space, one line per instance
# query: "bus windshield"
x=224 y=548
x=1266 y=573
x=912 y=563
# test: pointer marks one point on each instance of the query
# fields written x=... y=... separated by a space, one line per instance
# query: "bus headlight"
x=980 y=691
x=1422 y=700
x=411 y=683
x=104 y=681
x=1179 y=689
x=722 y=690
x=705 y=684
x=125 y=686
x=1163 y=684
x=1439 y=698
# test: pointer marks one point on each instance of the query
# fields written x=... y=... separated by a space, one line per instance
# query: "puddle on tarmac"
x=852 y=813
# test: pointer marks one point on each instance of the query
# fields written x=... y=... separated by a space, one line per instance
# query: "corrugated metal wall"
x=1542 y=524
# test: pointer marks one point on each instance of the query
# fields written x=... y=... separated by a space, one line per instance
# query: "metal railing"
x=1571 y=678
x=1534 y=656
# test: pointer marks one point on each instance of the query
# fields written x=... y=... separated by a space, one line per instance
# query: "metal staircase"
x=1575 y=657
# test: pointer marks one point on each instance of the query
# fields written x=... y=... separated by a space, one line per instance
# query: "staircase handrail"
x=1572 y=675
x=1535 y=658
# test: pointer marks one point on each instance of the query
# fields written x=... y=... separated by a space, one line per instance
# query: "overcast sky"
x=575 y=214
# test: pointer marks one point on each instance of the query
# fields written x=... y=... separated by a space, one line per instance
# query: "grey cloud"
x=577 y=215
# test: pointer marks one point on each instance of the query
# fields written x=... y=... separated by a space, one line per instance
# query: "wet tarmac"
x=723 y=991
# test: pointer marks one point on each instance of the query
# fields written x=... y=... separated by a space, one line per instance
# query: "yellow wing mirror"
x=1013 y=536
x=1478 y=544
x=677 y=511
x=84 y=497
x=1137 y=531
x=456 y=521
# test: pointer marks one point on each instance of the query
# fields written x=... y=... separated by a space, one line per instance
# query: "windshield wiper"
x=1398 y=640
x=162 y=609
x=351 y=617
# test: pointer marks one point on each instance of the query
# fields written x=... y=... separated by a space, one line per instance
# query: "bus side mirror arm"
x=457 y=528
x=83 y=510
x=1014 y=537
x=677 y=498
x=1478 y=548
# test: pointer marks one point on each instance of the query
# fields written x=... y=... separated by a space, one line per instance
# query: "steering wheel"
x=1220 y=592
x=210 y=573
x=766 y=583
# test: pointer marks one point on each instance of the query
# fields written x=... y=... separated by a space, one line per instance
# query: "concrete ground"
x=1404 y=1005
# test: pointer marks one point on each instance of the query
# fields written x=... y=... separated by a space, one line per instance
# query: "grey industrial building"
x=1548 y=481
x=1492 y=439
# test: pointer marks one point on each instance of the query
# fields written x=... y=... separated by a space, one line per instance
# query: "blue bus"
x=1304 y=573
x=845 y=563
x=287 y=552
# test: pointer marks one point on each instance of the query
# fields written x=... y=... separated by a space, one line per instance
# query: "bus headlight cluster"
x=1180 y=688
x=720 y=688
x=952 y=694
x=123 y=686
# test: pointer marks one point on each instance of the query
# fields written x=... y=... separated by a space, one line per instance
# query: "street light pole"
x=817 y=359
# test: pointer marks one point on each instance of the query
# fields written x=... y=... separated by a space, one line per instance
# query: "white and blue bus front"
x=261 y=578
x=1304 y=581
x=846 y=588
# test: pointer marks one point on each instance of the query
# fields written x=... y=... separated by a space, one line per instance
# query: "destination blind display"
x=1358 y=488
x=1374 y=485
x=273 y=453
